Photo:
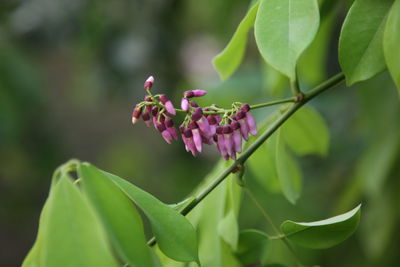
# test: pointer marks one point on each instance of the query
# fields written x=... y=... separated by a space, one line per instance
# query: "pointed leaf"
x=175 y=235
x=118 y=214
x=325 y=233
x=283 y=30
x=69 y=231
x=306 y=132
x=391 y=41
x=289 y=173
x=230 y=58
x=360 y=44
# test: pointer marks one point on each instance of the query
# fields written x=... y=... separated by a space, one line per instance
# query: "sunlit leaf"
x=175 y=235
x=69 y=232
x=391 y=41
x=118 y=215
x=289 y=173
x=230 y=58
x=360 y=43
x=252 y=248
x=283 y=30
x=325 y=233
x=306 y=132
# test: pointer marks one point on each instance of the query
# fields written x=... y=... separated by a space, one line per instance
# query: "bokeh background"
x=72 y=70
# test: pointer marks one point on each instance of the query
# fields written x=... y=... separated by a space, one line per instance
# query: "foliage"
x=91 y=217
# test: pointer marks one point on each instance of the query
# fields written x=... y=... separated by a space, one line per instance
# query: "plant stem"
x=328 y=84
x=277 y=232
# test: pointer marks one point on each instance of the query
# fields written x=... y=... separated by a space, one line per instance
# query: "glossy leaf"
x=306 y=132
x=391 y=43
x=69 y=232
x=283 y=30
x=252 y=248
x=175 y=235
x=230 y=58
x=289 y=173
x=360 y=44
x=325 y=233
x=118 y=215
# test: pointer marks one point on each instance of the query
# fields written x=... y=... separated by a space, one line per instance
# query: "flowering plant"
x=90 y=217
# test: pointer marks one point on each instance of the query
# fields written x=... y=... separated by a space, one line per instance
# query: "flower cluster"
x=211 y=125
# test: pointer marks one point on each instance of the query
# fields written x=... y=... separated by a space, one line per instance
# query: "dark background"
x=71 y=71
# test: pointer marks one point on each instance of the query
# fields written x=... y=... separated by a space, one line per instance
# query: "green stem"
x=330 y=83
x=279 y=235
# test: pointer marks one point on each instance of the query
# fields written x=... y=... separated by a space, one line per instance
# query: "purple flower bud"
x=148 y=83
x=220 y=141
x=240 y=114
x=197 y=114
x=237 y=141
x=228 y=142
x=251 y=123
x=167 y=136
x=197 y=139
x=205 y=127
x=146 y=118
x=137 y=111
x=245 y=107
x=198 y=92
x=207 y=140
x=173 y=132
x=170 y=107
x=194 y=104
x=148 y=98
x=169 y=122
x=188 y=94
x=189 y=142
x=168 y=104
x=154 y=111
x=218 y=118
x=185 y=104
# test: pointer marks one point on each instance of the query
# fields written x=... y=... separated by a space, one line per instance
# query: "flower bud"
x=148 y=83
x=185 y=104
x=188 y=94
x=199 y=93
x=137 y=111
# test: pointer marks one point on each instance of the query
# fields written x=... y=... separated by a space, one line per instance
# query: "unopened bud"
x=148 y=83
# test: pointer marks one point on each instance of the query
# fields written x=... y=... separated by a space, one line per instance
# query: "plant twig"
x=328 y=84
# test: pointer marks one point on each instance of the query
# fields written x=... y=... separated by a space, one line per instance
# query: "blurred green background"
x=71 y=71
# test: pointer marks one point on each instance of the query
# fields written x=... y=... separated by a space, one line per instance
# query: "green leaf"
x=184 y=203
x=306 y=132
x=228 y=229
x=230 y=58
x=289 y=173
x=262 y=165
x=283 y=30
x=252 y=248
x=118 y=215
x=69 y=232
x=325 y=233
x=391 y=41
x=360 y=43
x=175 y=235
